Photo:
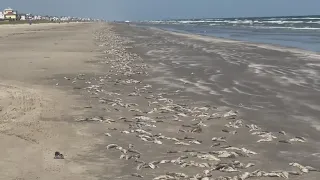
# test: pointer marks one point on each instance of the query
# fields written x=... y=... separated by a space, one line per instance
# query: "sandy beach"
x=125 y=102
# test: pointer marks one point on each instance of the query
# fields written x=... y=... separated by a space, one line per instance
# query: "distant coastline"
x=13 y=16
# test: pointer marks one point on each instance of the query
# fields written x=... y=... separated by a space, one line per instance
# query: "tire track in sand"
x=20 y=107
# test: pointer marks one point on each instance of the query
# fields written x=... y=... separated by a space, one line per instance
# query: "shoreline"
x=220 y=39
x=267 y=45
x=130 y=103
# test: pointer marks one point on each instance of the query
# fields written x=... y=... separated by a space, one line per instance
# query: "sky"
x=164 y=9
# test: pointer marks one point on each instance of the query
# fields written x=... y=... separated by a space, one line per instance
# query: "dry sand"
x=76 y=88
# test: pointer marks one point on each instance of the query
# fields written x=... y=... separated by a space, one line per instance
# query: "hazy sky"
x=164 y=9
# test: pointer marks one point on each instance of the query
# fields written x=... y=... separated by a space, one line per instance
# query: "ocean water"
x=301 y=32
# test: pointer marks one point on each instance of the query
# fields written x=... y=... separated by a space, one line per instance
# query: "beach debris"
x=282 y=174
x=58 y=155
x=253 y=127
x=182 y=143
x=125 y=132
x=215 y=144
x=230 y=114
x=282 y=132
x=95 y=119
x=156 y=141
x=244 y=150
x=195 y=142
x=208 y=157
x=230 y=132
x=237 y=124
x=219 y=139
x=298 y=139
x=285 y=141
x=266 y=136
x=137 y=175
x=111 y=146
x=178 y=175
x=146 y=124
x=244 y=176
x=249 y=165
x=140 y=166
x=228 y=169
x=164 y=177
x=303 y=169
x=225 y=154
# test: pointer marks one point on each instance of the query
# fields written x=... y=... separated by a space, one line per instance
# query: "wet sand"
x=167 y=102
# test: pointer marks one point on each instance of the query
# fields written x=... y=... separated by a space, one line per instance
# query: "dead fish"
x=195 y=142
x=123 y=156
x=253 y=127
x=249 y=165
x=228 y=169
x=302 y=168
x=285 y=141
x=137 y=175
x=237 y=124
x=110 y=146
x=225 y=146
x=311 y=168
x=164 y=177
x=125 y=132
x=208 y=157
x=259 y=173
x=151 y=165
x=182 y=115
x=248 y=151
x=282 y=132
x=227 y=131
x=302 y=138
x=230 y=114
x=219 y=139
x=172 y=152
x=215 y=144
x=134 y=151
x=179 y=175
x=164 y=161
x=140 y=166
x=294 y=173
x=189 y=150
x=226 y=154
x=296 y=139
x=182 y=143
x=187 y=137
x=244 y=176
x=157 y=141
x=267 y=137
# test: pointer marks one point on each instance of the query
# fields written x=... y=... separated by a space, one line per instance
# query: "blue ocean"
x=301 y=32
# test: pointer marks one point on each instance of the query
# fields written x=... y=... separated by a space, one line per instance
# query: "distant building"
x=1 y=16
x=22 y=17
x=10 y=14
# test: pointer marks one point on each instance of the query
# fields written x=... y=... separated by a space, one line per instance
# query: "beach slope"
x=124 y=102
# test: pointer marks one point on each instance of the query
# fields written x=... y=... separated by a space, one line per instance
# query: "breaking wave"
x=290 y=22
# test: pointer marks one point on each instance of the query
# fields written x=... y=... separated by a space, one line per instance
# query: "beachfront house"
x=22 y=17
x=1 y=16
x=10 y=14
